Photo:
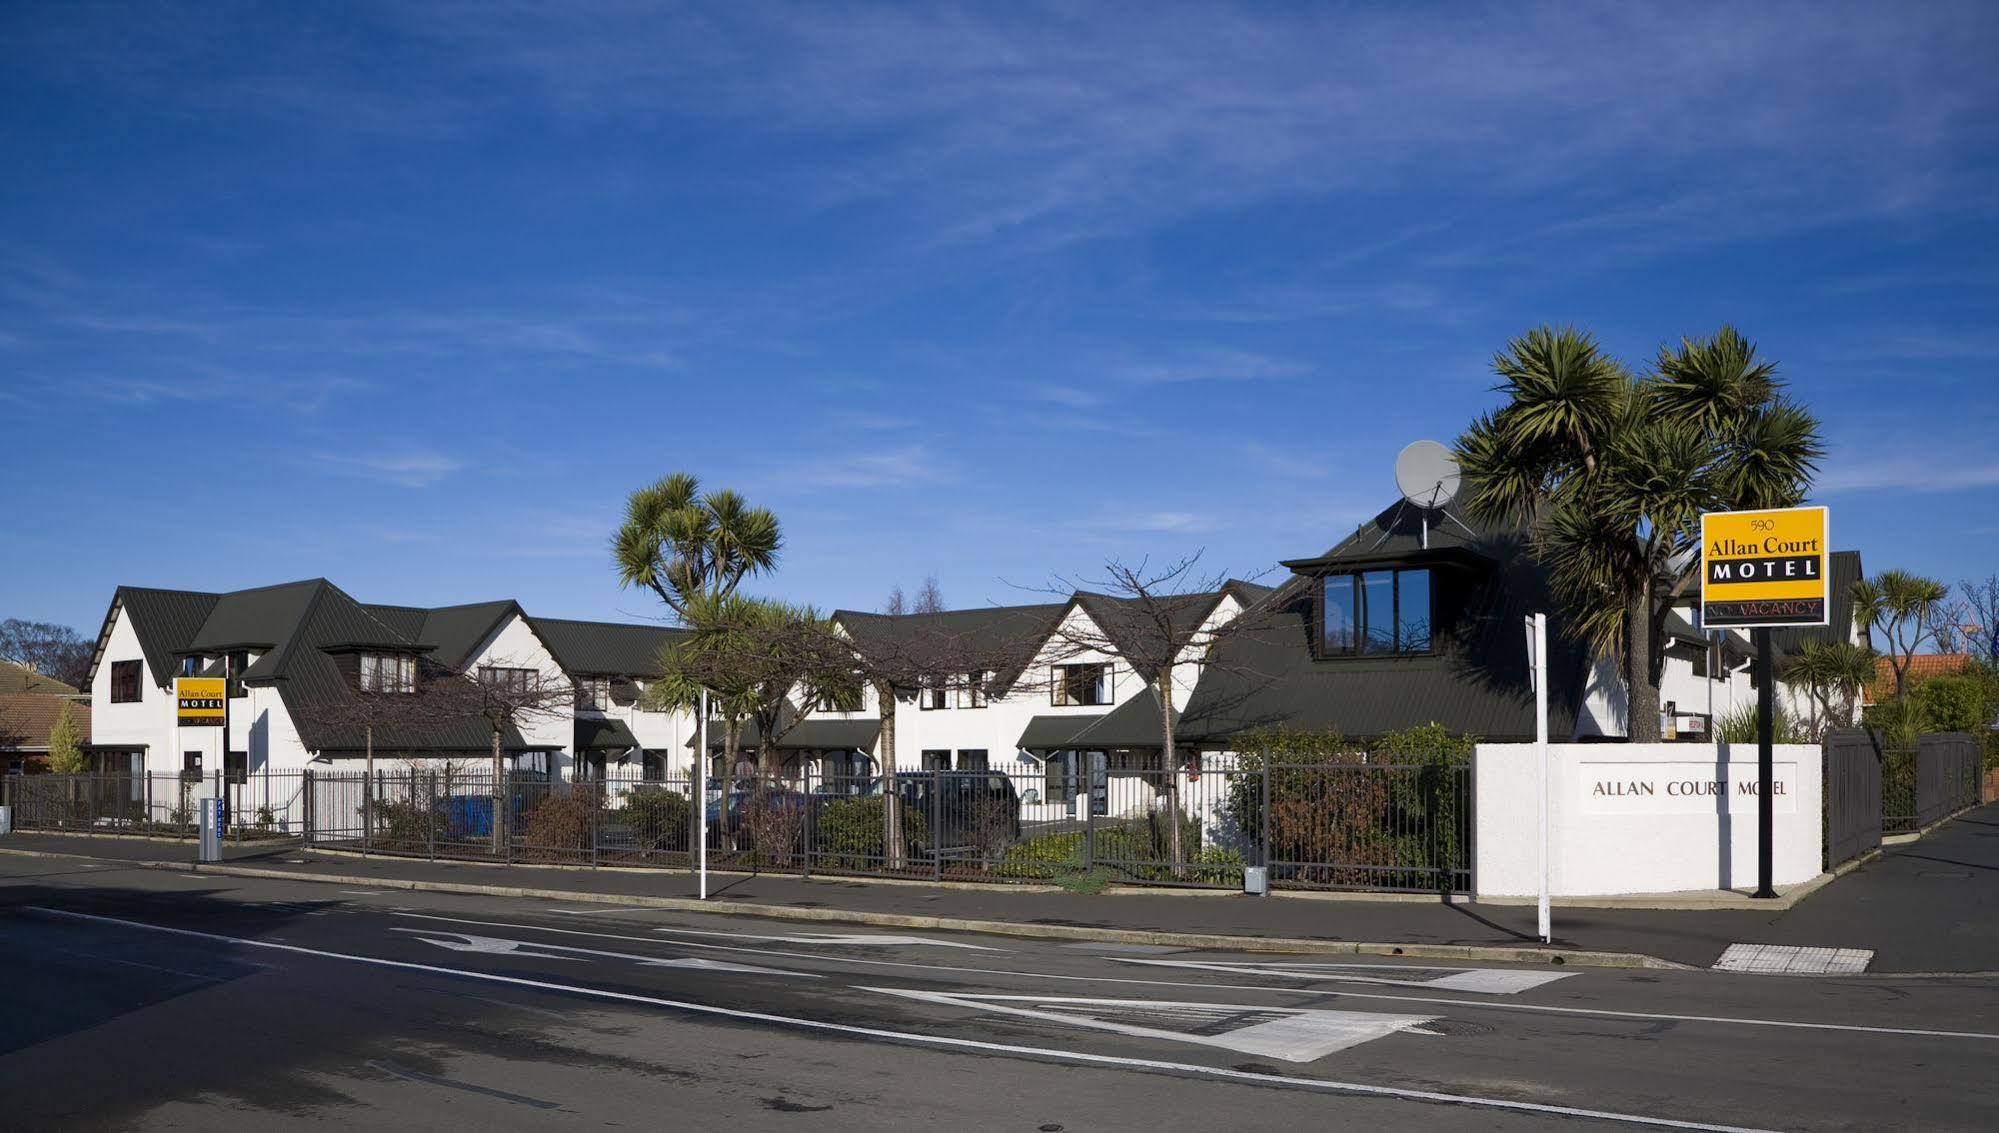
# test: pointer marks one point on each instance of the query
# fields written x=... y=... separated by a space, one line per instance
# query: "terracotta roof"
x=25 y=720
x=1922 y=667
x=16 y=677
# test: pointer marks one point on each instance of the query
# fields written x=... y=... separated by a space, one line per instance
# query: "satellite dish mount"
x=1428 y=475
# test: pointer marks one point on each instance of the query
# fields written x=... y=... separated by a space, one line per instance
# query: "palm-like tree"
x=682 y=545
x=1832 y=673
x=1904 y=608
x=1612 y=473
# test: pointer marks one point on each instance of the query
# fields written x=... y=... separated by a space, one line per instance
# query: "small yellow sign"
x=1765 y=568
x=199 y=701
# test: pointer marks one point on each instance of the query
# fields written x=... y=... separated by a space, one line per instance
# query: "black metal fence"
x=1853 y=815
x=1351 y=825
x=1947 y=769
x=260 y=805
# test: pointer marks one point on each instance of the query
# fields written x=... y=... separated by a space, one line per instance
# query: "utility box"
x=6 y=820
x=213 y=819
x=1256 y=880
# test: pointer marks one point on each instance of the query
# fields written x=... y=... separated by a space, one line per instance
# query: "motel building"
x=1412 y=619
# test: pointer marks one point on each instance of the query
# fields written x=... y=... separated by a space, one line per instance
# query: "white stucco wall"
x=1642 y=818
x=513 y=644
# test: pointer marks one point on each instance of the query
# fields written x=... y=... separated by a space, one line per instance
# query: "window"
x=1082 y=684
x=236 y=766
x=190 y=765
x=972 y=759
x=935 y=760
x=238 y=661
x=389 y=672
x=972 y=692
x=125 y=681
x=593 y=694
x=1376 y=612
x=516 y=681
x=933 y=695
x=1126 y=761
x=653 y=766
x=190 y=666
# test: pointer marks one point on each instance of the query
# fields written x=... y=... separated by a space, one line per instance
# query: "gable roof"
x=164 y=622
x=1001 y=638
x=1266 y=674
x=606 y=649
x=454 y=632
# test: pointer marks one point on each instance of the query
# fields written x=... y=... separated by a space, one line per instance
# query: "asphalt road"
x=147 y=999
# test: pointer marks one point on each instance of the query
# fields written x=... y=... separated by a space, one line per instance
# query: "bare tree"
x=1981 y=617
x=1166 y=624
x=505 y=696
x=897 y=605
x=929 y=597
x=52 y=650
x=396 y=708
x=901 y=658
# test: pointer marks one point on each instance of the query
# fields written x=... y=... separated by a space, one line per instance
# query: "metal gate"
x=1852 y=794
x=1946 y=775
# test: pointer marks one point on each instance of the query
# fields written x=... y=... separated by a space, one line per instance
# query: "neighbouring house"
x=294 y=649
x=1922 y=666
x=25 y=720
x=16 y=679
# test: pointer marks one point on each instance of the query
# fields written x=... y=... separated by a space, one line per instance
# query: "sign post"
x=701 y=795
x=1537 y=674
x=1764 y=569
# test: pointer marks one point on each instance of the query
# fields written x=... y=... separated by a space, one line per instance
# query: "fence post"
x=503 y=827
x=937 y=826
x=429 y=814
x=306 y=796
x=1081 y=784
x=1263 y=812
x=806 y=782
x=596 y=816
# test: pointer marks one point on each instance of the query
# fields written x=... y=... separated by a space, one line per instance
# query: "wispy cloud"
x=1209 y=364
x=899 y=467
x=1071 y=396
x=1918 y=473
x=417 y=468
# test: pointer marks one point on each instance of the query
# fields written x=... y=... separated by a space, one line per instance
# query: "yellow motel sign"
x=198 y=701
x=1764 y=568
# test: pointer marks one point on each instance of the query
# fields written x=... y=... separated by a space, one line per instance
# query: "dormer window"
x=388 y=672
x=1376 y=613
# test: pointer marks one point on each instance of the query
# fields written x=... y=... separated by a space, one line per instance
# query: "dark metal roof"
x=1000 y=638
x=829 y=733
x=599 y=733
x=1051 y=733
x=165 y=621
x=1265 y=674
x=456 y=631
x=1135 y=723
x=608 y=649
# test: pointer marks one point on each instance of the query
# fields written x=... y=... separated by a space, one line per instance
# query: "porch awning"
x=604 y=735
x=1047 y=733
x=1135 y=723
x=810 y=735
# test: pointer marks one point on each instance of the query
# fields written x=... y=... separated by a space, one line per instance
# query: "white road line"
x=852 y=938
x=496 y=946
x=1482 y=1005
x=1298 y=1034
x=947 y=1042
x=1489 y=981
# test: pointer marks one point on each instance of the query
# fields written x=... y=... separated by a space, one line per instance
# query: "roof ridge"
x=290 y=646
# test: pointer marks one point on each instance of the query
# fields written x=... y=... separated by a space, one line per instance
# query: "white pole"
x=1541 y=741
x=701 y=795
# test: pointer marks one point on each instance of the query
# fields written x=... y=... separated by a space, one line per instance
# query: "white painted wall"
x=513 y=644
x=1638 y=818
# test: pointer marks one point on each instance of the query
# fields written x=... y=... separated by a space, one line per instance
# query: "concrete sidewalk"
x=1927 y=906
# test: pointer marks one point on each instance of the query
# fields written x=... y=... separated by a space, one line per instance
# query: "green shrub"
x=1956 y=703
x=657 y=817
x=1046 y=857
x=1739 y=726
x=852 y=833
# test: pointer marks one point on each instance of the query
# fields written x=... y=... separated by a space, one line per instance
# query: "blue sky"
x=410 y=296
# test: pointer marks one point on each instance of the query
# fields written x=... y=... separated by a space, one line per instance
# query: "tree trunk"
x=892 y=841
x=1642 y=699
x=368 y=788
x=499 y=799
x=732 y=739
x=1169 y=755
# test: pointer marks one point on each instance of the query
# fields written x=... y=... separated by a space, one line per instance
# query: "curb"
x=1207 y=941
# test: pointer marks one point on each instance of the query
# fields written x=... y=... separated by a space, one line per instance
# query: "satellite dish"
x=1428 y=474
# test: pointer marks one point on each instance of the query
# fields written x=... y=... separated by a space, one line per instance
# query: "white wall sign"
x=1679 y=788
